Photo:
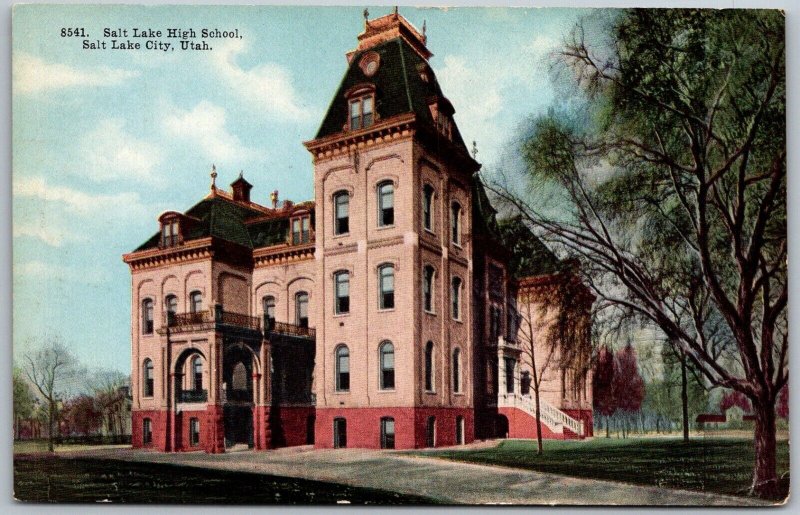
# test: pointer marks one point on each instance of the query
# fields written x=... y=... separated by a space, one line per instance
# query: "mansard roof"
x=244 y=223
x=528 y=256
x=399 y=88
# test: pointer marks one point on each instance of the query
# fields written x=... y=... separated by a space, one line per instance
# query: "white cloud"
x=115 y=205
x=34 y=75
x=55 y=271
x=204 y=127
x=49 y=234
x=110 y=153
x=267 y=86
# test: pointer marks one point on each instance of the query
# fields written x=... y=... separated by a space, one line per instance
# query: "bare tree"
x=49 y=368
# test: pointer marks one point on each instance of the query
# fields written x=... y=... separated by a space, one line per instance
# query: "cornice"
x=384 y=131
x=195 y=250
x=282 y=254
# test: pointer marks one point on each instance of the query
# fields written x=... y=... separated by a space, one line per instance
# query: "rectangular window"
x=169 y=234
x=301 y=309
x=147 y=431
x=387 y=287
x=510 y=364
x=342 y=293
x=386 y=204
x=342 y=208
x=339 y=433
x=296 y=231
x=305 y=237
x=362 y=112
x=367 y=116
x=387 y=433
x=194 y=432
x=355 y=114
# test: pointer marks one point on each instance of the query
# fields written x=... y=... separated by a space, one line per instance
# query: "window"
x=342 y=369
x=341 y=202
x=301 y=309
x=427 y=207
x=525 y=383
x=459 y=430
x=510 y=364
x=385 y=204
x=339 y=433
x=147 y=431
x=194 y=432
x=342 y=292
x=455 y=223
x=148 y=379
x=171 y=304
x=387 y=365
x=386 y=285
x=430 y=432
x=427 y=288
x=195 y=302
x=455 y=297
x=268 y=304
x=147 y=316
x=169 y=233
x=387 y=433
x=429 y=367
x=197 y=374
x=301 y=230
x=495 y=322
x=361 y=112
x=457 y=370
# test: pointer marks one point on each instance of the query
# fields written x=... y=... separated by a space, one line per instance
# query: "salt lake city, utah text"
x=165 y=40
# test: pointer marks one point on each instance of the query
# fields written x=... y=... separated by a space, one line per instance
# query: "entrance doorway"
x=238 y=425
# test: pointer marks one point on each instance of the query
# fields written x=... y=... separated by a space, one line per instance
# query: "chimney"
x=274 y=198
x=241 y=189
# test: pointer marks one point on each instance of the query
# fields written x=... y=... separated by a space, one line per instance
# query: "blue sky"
x=104 y=141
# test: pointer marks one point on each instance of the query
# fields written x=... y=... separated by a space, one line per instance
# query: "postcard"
x=398 y=255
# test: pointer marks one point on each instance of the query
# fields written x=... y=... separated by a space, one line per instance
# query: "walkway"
x=445 y=481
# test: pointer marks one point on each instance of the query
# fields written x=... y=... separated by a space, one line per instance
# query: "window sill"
x=341 y=392
x=386 y=310
x=457 y=245
x=386 y=390
x=430 y=392
x=459 y=394
x=460 y=321
x=338 y=236
x=433 y=313
x=384 y=227
x=341 y=315
x=429 y=231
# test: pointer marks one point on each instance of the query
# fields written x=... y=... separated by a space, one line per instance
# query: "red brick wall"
x=183 y=426
x=159 y=427
x=364 y=429
x=584 y=415
x=523 y=425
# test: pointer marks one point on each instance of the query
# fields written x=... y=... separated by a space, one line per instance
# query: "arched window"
x=341 y=203
x=148 y=383
x=430 y=432
x=457 y=370
x=427 y=207
x=197 y=374
x=268 y=306
x=386 y=285
x=301 y=309
x=342 y=292
x=455 y=223
x=387 y=365
x=195 y=302
x=342 y=369
x=427 y=288
x=387 y=433
x=147 y=316
x=385 y=204
x=171 y=306
x=429 y=367
x=455 y=297
x=239 y=379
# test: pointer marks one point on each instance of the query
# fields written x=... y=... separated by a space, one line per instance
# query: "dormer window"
x=301 y=230
x=169 y=233
x=445 y=125
x=362 y=112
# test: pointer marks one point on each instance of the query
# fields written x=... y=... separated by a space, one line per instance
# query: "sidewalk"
x=445 y=481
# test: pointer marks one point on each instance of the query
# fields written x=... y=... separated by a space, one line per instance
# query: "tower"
x=393 y=190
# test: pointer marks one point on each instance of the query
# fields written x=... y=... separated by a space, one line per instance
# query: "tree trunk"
x=684 y=399
x=538 y=424
x=765 y=475
x=608 y=424
x=51 y=433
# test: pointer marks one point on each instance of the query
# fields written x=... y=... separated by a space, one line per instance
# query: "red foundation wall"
x=158 y=423
x=523 y=425
x=584 y=415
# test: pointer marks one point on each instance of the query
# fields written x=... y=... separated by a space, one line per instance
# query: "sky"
x=103 y=141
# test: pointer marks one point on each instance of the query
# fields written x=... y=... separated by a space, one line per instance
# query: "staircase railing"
x=549 y=414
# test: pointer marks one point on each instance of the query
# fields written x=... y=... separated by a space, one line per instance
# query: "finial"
x=366 y=15
x=395 y=10
x=241 y=174
x=474 y=149
x=424 y=28
x=213 y=177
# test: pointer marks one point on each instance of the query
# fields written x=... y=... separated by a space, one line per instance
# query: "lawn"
x=719 y=465
x=50 y=478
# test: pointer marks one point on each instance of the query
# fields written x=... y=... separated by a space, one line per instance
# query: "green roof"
x=225 y=219
x=399 y=88
x=528 y=255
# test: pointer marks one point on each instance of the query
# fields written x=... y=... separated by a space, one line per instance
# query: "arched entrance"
x=239 y=395
x=501 y=426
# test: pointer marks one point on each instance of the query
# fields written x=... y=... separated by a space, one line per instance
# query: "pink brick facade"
x=271 y=326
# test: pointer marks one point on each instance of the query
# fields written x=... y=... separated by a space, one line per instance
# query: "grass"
x=718 y=465
x=33 y=446
x=56 y=479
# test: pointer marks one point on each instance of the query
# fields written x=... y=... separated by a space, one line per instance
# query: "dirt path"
x=446 y=481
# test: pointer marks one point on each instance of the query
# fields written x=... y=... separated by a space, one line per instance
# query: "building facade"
x=382 y=314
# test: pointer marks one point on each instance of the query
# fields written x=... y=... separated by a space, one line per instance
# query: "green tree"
x=24 y=400
x=673 y=193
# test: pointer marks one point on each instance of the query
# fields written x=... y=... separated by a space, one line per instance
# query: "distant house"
x=734 y=417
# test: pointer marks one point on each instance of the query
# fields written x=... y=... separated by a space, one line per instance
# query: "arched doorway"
x=239 y=395
x=501 y=426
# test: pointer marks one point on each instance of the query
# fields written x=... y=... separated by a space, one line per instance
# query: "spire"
x=390 y=26
x=474 y=149
x=366 y=16
x=213 y=178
